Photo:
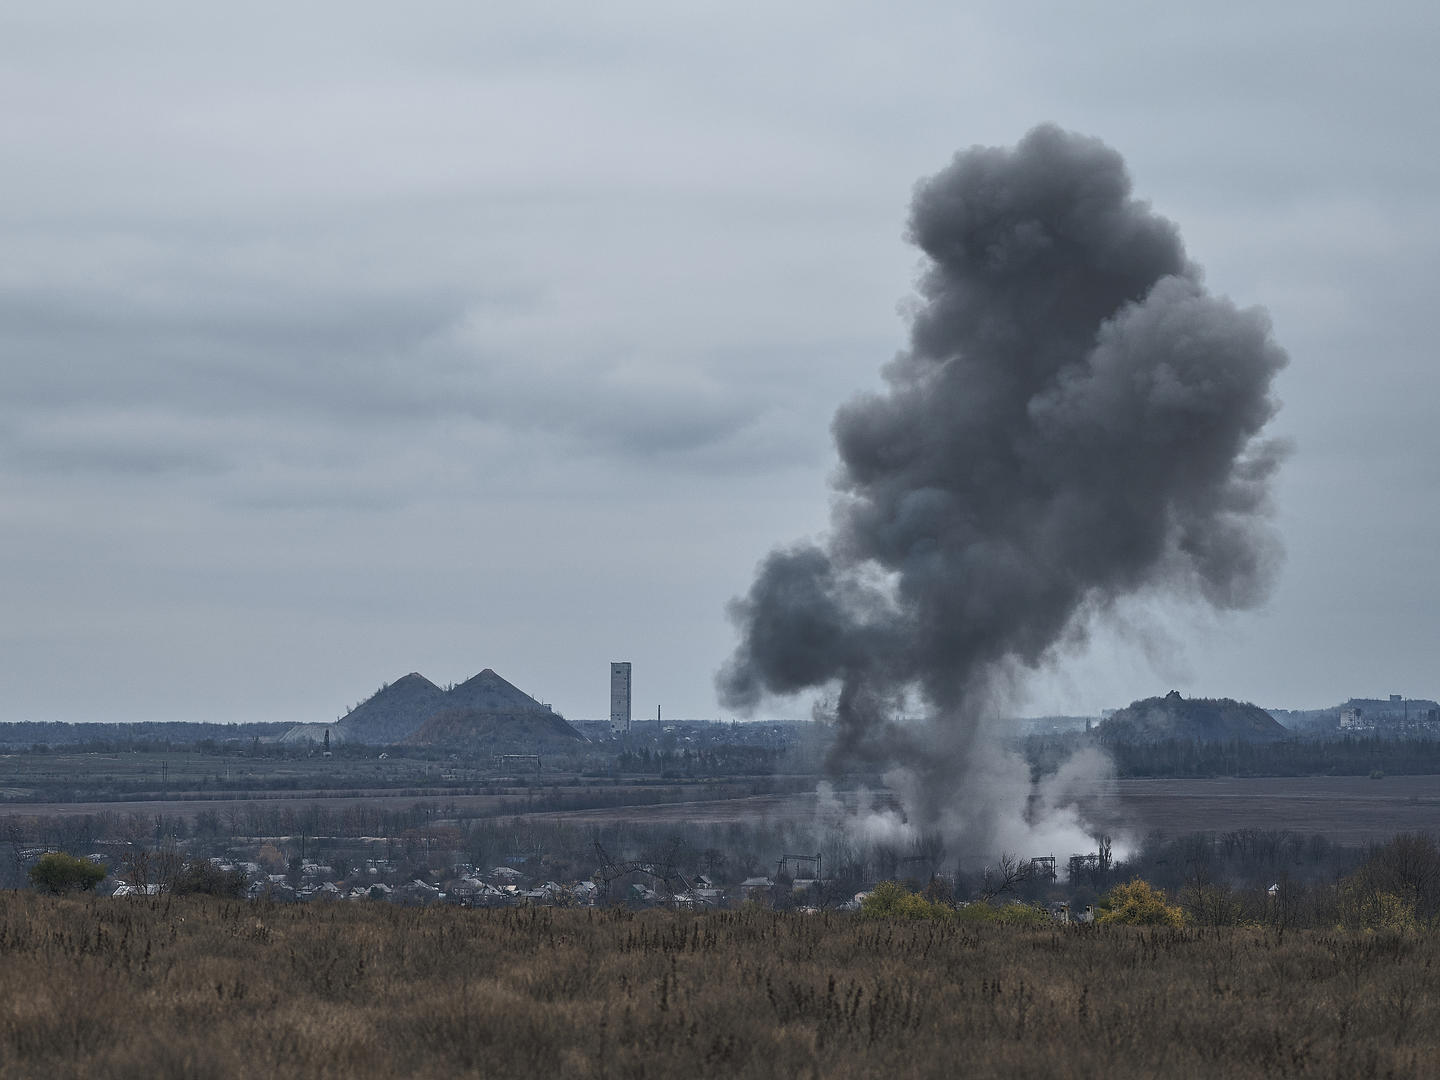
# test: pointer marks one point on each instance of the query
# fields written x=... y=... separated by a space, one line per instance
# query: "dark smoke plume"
x=1076 y=420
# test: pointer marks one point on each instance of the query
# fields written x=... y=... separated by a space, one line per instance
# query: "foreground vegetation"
x=195 y=987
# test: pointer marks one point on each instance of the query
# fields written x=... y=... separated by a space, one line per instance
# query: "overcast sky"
x=341 y=340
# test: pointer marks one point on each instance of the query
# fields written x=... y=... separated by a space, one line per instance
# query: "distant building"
x=1351 y=718
x=620 y=695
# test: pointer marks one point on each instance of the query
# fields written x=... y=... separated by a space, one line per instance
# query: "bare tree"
x=144 y=867
x=1407 y=866
x=1009 y=872
x=136 y=866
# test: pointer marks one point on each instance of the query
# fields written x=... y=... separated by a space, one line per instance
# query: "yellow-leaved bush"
x=1138 y=903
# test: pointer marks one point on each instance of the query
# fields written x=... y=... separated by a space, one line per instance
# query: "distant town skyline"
x=511 y=338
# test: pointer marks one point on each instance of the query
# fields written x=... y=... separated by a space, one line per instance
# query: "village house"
x=757 y=889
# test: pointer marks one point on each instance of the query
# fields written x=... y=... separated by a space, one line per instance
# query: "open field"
x=1346 y=809
x=498 y=797
x=201 y=988
x=195 y=772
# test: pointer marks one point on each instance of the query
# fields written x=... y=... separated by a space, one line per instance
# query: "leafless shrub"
x=1007 y=873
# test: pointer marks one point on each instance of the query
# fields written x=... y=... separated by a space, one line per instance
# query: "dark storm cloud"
x=1076 y=419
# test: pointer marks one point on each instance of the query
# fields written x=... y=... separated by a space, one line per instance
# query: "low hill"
x=484 y=714
x=394 y=711
x=1196 y=719
x=498 y=731
x=488 y=692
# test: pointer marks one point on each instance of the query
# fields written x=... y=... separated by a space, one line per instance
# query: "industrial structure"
x=620 y=696
x=797 y=861
x=1094 y=866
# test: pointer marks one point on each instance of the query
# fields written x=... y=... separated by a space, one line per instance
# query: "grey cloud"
x=530 y=257
x=341 y=366
x=1076 y=420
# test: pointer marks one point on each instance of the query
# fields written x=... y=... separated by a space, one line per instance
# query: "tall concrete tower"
x=620 y=696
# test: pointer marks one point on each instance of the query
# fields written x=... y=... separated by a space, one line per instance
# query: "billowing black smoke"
x=1076 y=420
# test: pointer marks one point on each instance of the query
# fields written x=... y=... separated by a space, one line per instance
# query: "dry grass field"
x=194 y=988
